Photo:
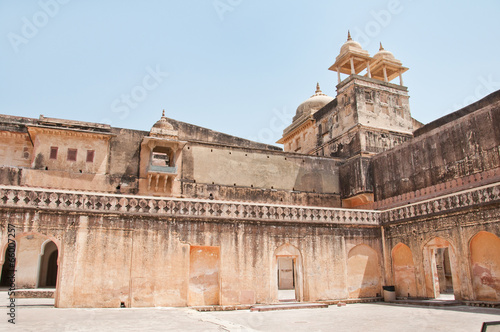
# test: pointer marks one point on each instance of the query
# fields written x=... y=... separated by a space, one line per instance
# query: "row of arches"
x=433 y=271
x=440 y=275
x=441 y=266
x=36 y=263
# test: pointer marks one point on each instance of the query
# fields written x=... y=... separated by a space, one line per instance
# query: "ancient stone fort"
x=361 y=196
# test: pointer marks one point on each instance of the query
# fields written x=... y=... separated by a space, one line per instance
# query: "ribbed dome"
x=313 y=104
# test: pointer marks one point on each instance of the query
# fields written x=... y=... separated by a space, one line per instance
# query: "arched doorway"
x=404 y=271
x=287 y=274
x=485 y=263
x=8 y=266
x=440 y=267
x=48 y=265
x=363 y=272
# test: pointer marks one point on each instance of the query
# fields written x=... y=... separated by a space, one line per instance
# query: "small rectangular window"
x=90 y=156
x=26 y=153
x=72 y=154
x=53 y=152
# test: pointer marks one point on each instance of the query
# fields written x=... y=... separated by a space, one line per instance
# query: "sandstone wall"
x=145 y=261
x=190 y=132
x=457 y=146
x=356 y=175
x=230 y=173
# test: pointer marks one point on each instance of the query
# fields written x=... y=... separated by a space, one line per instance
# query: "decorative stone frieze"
x=21 y=197
x=444 y=204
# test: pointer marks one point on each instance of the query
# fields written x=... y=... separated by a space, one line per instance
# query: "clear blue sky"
x=237 y=66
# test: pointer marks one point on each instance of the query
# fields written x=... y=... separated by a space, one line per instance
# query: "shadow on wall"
x=309 y=181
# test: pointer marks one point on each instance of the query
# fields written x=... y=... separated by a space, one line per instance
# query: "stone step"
x=288 y=306
x=428 y=303
x=36 y=293
x=288 y=300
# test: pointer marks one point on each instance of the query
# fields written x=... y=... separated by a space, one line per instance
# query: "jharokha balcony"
x=162 y=169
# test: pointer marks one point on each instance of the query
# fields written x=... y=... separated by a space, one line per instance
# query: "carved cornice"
x=295 y=128
x=12 y=134
x=36 y=130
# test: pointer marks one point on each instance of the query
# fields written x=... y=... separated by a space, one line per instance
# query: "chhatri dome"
x=163 y=128
x=385 y=67
x=313 y=104
x=351 y=45
x=352 y=59
x=384 y=54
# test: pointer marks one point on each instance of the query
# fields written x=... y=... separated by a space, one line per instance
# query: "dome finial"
x=349 y=35
x=163 y=113
x=318 y=91
x=381 y=47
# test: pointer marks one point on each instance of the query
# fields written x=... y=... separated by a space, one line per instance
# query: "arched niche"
x=48 y=267
x=363 y=272
x=8 y=262
x=485 y=266
x=30 y=250
x=404 y=271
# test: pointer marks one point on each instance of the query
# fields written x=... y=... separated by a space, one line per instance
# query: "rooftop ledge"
x=353 y=77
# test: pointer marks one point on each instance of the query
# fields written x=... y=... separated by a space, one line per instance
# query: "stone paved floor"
x=353 y=317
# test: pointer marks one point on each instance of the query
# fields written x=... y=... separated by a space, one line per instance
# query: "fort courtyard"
x=38 y=315
x=135 y=229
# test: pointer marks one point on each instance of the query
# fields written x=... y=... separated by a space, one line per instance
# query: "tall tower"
x=372 y=115
x=369 y=115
